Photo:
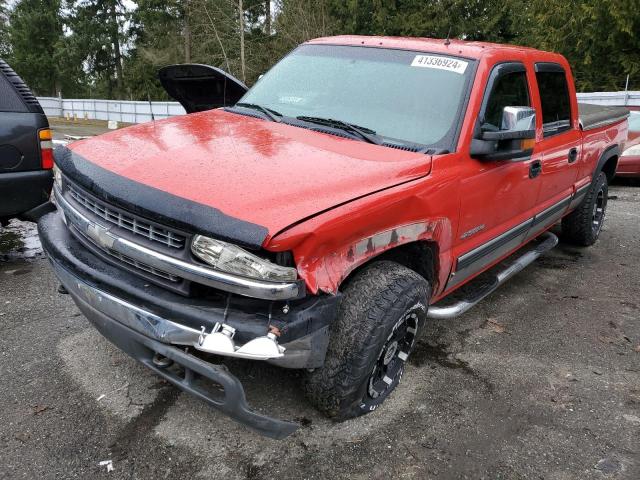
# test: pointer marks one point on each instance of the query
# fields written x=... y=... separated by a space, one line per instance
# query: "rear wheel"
x=381 y=313
x=584 y=224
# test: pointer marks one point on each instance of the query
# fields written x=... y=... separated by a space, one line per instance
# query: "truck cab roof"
x=473 y=50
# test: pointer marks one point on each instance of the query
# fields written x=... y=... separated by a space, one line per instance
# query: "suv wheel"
x=584 y=224
x=382 y=311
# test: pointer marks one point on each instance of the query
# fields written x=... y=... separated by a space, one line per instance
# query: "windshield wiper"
x=271 y=114
x=364 y=133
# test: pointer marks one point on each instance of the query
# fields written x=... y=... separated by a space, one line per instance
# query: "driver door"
x=497 y=196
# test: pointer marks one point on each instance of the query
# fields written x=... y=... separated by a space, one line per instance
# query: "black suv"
x=26 y=156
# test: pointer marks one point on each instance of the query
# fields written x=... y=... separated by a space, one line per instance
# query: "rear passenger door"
x=560 y=147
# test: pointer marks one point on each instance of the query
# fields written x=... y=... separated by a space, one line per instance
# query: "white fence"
x=138 y=112
x=611 y=98
x=119 y=110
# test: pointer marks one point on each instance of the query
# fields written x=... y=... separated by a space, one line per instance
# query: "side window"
x=509 y=90
x=554 y=96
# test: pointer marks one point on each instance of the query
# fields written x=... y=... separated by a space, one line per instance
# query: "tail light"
x=46 y=148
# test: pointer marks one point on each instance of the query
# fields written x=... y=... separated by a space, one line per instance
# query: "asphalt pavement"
x=541 y=380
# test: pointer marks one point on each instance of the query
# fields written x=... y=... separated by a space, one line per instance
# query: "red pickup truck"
x=318 y=219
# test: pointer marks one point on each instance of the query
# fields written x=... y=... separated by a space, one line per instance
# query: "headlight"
x=231 y=259
x=632 y=151
x=57 y=176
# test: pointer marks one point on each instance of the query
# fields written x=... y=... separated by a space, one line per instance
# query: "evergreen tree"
x=600 y=38
x=105 y=49
x=485 y=20
x=159 y=37
x=35 y=35
x=98 y=38
x=4 y=27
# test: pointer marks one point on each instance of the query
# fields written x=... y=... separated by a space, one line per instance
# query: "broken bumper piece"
x=97 y=306
x=147 y=322
x=220 y=342
x=175 y=319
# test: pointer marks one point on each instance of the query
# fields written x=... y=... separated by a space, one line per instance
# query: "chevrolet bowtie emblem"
x=100 y=236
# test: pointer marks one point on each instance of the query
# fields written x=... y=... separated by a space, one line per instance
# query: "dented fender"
x=329 y=271
x=329 y=247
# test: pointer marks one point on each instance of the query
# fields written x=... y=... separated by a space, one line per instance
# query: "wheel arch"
x=326 y=263
x=421 y=256
x=608 y=162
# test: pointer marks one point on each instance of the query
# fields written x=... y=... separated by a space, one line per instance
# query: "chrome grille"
x=135 y=225
x=144 y=267
x=130 y=261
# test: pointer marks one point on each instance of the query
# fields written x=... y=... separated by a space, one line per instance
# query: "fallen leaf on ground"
x=22 y=436
x=495 y=326
x=38 y=409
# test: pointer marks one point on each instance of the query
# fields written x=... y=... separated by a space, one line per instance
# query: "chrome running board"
x=549 y=241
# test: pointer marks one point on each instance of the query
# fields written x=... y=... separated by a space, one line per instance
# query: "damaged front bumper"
x=143 y=348
x=144 y=320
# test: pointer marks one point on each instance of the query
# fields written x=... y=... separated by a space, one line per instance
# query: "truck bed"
x=597 y=116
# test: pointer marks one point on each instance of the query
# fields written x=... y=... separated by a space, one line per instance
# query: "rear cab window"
x=554 y=98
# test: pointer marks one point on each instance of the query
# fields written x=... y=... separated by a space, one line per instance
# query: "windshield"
x=413 y=97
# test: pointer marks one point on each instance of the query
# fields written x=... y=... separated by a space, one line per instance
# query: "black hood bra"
x=156 y=204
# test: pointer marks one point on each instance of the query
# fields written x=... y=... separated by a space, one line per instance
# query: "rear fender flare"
x=609 y=152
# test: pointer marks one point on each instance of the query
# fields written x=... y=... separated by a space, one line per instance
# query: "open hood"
x=201 y=87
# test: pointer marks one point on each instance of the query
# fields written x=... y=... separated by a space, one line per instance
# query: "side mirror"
x=513 y=141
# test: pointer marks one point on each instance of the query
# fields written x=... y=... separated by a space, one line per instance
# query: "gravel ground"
x=541 y=380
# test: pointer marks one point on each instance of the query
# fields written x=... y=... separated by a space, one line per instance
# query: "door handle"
x=535 y=168
x=573 y=155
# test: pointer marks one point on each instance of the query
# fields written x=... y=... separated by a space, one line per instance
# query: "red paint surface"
x=629 y=166
x=277 y=175
x=263 y=172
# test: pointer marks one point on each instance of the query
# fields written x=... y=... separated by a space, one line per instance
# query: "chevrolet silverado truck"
x=26 y=153
x=317 y=220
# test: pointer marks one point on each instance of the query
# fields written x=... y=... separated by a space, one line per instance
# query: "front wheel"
x=583 y=225
x=382 y=310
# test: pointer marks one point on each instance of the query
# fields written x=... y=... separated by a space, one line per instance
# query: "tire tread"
x=577 y=226
x=363 y=315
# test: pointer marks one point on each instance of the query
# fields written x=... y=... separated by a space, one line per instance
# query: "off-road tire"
x=382 y=301
x=583 y=225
